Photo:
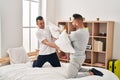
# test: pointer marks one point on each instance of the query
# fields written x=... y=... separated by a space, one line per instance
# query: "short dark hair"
x=78 y=16
x=39 y=18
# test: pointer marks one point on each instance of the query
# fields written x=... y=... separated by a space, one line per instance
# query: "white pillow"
x=17 y=55
x=55 y=31
x=64 y=43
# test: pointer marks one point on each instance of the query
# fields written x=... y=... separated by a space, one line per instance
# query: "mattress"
x=26 y=72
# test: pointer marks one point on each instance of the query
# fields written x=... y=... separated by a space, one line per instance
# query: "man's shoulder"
x=39 y=31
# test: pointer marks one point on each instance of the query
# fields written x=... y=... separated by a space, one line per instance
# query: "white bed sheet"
x=26 y=72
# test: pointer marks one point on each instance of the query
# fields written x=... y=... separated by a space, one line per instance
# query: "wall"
x=92 y=9
x=11 y=13
x=50 y=12
x=44 y=5
x=0 y=36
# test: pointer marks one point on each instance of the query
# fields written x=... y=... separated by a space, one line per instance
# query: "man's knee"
x=34 y=64
x=37 y=64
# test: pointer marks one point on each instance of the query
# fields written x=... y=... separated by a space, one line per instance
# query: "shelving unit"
x=100 y=45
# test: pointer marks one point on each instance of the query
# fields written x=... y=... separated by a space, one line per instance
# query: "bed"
x=26 y=72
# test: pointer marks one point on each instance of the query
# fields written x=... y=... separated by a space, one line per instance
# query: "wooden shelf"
x=88 y=50
x=99 y=65
x=89 y=64
x=63 y=60
x=102 y=51
x=99 y=36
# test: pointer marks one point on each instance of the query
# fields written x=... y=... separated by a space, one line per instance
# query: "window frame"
x=30 y=27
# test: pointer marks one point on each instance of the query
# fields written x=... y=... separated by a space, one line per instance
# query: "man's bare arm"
x=53 y=45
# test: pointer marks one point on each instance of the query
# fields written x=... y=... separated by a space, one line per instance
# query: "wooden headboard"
x=32 y=56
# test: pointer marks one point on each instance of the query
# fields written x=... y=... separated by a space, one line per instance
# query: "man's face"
x=40 y=24
x=75 y=23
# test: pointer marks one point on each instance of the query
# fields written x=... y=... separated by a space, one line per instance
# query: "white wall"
x=50 y=12
x=11 y=13
x=44 y=5
x=0 y=36
x=90 y=9
x=104 y=9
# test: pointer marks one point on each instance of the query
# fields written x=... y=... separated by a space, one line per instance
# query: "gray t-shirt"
x=79 y=40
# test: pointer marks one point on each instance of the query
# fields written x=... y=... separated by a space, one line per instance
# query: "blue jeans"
x=51 y=58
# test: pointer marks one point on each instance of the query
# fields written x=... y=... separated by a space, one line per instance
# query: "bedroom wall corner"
x=50 y=11
x=11 y=13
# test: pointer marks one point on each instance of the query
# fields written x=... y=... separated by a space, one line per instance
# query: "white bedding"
x=26 y=72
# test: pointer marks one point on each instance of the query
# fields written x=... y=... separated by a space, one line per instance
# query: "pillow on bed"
x=17 y=55
x=55 y=31
x=64 y=43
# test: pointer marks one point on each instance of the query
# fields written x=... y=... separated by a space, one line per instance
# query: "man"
x=79 y=40
x=47 y=47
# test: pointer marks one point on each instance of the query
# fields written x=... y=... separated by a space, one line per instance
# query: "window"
x=31 y=9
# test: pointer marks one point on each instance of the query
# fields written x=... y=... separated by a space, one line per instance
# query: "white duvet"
x=26 y=72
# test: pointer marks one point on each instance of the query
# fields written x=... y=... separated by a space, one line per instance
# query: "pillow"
x=17 y=55
x=64 y=43
x=55 y=31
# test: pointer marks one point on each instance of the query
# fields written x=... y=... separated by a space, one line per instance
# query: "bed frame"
x=31 y=55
